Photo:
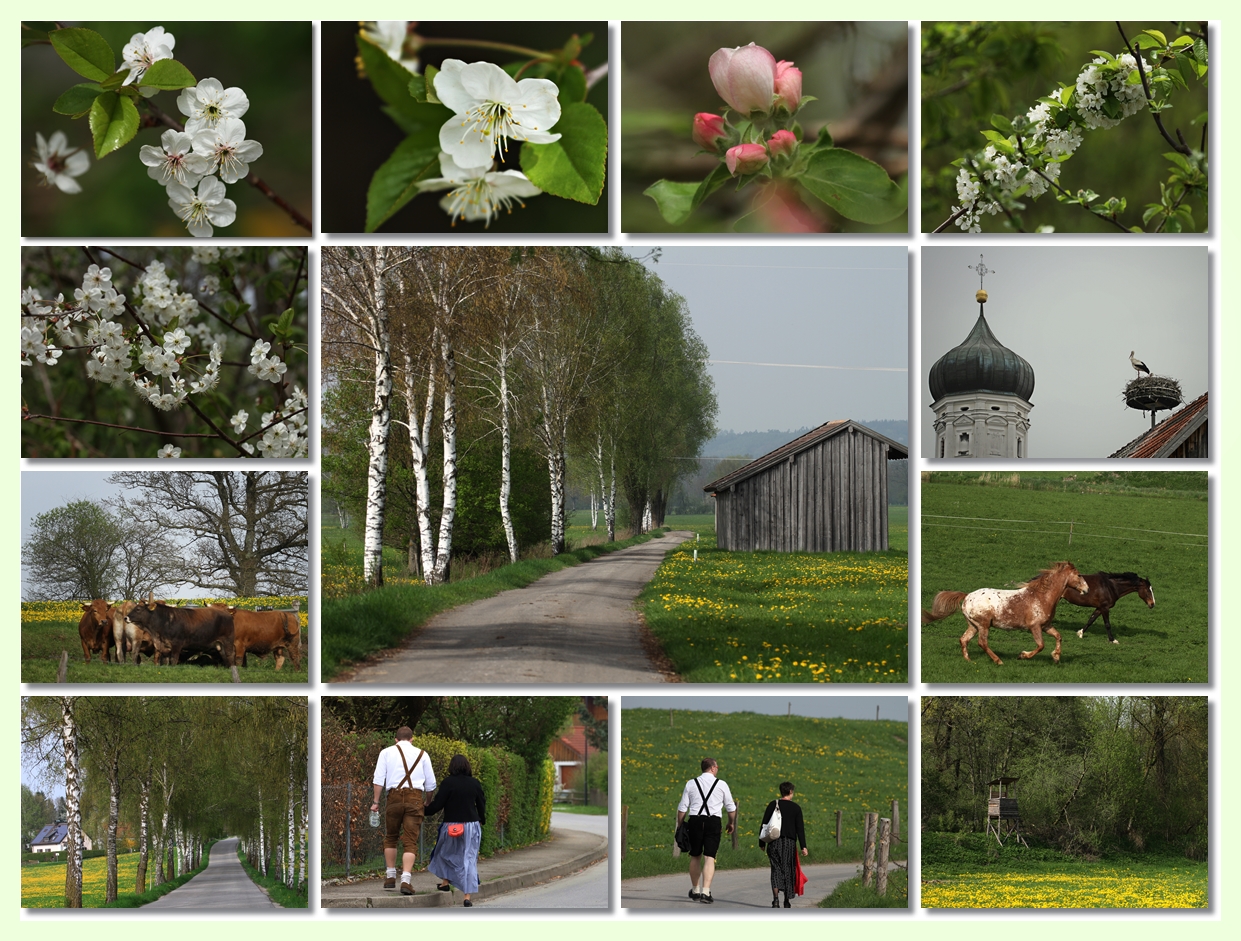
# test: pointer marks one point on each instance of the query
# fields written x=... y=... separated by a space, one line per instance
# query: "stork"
x=1137 y=364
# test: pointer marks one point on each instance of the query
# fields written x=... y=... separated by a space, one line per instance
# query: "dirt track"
x=576 y=626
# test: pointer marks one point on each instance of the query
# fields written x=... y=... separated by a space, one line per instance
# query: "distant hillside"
x=758 y=443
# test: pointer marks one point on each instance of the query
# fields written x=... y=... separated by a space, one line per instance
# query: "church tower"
x=981 y=394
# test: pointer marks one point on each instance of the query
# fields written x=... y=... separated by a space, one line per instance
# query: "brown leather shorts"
x=403 y=818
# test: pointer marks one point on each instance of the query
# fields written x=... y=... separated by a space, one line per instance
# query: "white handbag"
x=771 y=829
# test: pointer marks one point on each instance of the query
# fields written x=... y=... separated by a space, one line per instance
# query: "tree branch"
x=1146 y=88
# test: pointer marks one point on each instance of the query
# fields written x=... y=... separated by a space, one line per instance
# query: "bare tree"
x=243 y=534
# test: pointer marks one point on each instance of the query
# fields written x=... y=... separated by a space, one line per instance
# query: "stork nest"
x=1153 y=393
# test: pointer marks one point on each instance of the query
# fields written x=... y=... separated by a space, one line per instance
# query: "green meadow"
x=851 y=765
x=999 y=530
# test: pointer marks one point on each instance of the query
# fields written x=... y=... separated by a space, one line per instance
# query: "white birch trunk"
x=443 y=555
x=262 y=866
x=144 y=852
x=73 y=804
x=163 y=875
x=506 y=458
x=420 y=417
x=381 y=419
x=114 y=819
x=303 y=837
x=594 y=508
x=610 y=510
x=555 y=472
x=288 y=856
x=646 y=517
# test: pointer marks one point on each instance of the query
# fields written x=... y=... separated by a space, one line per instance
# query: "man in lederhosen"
x=701 y=802
x=405 y=772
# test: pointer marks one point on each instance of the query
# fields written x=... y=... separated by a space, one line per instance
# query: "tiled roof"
x=896 y=451
x=575 y=739
x=1169 y=434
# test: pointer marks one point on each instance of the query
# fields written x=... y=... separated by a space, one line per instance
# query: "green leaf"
x=1146 y=41
x=84 y=51
x=429 y=74
x=418 y=88
x=1200 y=51
x=572 y=85
x=395 y=183
x=115 y=80
x=168 y=75
x=1181 y=41
x=77 y=100
x=993 y=135
x=855 y=187
x=113 y=122
x=715 y=179
x=1163 y=40
x=389 y=78
x=675 y=200
x=1002 y=123
x=35 y=33
x=574 y=166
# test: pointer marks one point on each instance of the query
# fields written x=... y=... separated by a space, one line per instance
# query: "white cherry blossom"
x=209 y=102
x=390 y=36
x=225 y=150
x=491 y=109
x=59 y=163
x=478 y=193
x=169 y=450
x=239 y=420
x=202 y=209
x=174 y=161
x=142 y=51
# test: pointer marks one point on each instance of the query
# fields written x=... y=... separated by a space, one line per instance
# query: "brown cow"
x=95 y=630
x=186 y=630
x=266 y=632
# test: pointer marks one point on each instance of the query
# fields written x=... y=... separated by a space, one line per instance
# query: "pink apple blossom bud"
x=746 y=158
x=788 y=84
x=745 y=77
x=782 y=142
x=709 y=130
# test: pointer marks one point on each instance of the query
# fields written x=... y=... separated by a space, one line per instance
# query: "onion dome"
x=982 y=364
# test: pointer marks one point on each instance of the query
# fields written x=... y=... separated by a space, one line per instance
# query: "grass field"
x=358 y=625
x=971 y=871
x=836 y=764
x=852 y=894
x=998 y=536
x=49 y=627
x=781 y=617
x=43 y=884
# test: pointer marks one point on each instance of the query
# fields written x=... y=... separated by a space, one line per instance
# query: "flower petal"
x=448 y=87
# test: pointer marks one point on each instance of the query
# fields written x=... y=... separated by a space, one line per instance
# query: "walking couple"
x=405 y=772
x=700 y=826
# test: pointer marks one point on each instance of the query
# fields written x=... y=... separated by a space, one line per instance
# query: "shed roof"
x=1169 y=434
x=896 y=451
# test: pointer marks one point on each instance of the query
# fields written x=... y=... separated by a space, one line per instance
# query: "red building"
x=572 y=753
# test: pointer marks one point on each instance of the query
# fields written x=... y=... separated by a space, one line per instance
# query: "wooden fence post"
x=868 y=848
x=896 y=821
x=838 y=813
x=885 y=838
x=624 y=829
x=64 y=666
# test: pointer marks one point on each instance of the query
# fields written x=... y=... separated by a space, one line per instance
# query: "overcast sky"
x=843 y=311
x=894 y=708
x=1074 y=314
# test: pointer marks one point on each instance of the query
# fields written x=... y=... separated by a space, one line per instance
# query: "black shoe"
x=787 y=903
x=468 y=904
x=706 y=898
x=775 y=903
x=694 y=896
x=444 y=888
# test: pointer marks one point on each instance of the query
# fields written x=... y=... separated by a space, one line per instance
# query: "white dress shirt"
x=389 y=772
x=720 y=798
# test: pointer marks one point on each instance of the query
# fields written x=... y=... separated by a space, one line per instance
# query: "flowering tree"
x=203 y=144
x=470 y=124
x=181 y=345
x=759 y=142
x=1025 y=154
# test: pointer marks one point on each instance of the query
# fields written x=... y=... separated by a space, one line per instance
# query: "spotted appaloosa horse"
x=1029 y=608
x=1106 y=588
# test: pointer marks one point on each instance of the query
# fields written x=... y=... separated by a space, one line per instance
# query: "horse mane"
x=1046 y=574
x=1129 y=578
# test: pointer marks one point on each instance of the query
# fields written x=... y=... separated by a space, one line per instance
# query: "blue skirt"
x=456 y=858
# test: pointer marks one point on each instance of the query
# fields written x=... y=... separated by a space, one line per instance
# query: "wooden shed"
x=826 y=491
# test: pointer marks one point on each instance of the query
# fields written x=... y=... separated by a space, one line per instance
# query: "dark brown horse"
x=1028 y=608
x=1106 y=588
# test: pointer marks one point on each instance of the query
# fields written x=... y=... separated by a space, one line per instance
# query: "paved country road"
x=587 y=888
x=577 y=625
x=734 y=889
x=222 y=886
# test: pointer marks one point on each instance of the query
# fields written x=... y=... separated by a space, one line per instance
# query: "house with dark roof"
x=54 y=838
x=1181 y=434
x=826 y=491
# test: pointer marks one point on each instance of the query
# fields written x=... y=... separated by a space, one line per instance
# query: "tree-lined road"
x=577 y=625
x=222 y=886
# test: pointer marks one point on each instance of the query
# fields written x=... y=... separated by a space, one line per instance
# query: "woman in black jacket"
x=782 y=851
x=455 y=857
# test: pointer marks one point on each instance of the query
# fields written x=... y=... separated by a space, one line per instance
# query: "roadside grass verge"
x=971 y=871
x=590 y=811
x=281 y=894
x=47 y=631
x=43 y=884
x=357 y=626
x=851 y=765
x=852 y=894
x=781 y=617
x=996 y=535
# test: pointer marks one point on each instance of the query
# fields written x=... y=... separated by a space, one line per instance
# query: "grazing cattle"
x=266 y=632
x=186 y=631
x=95 y=629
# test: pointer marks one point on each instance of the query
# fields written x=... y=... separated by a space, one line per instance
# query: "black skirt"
x=782 y=854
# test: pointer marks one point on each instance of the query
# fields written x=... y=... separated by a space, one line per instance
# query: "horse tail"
x=946 y=603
